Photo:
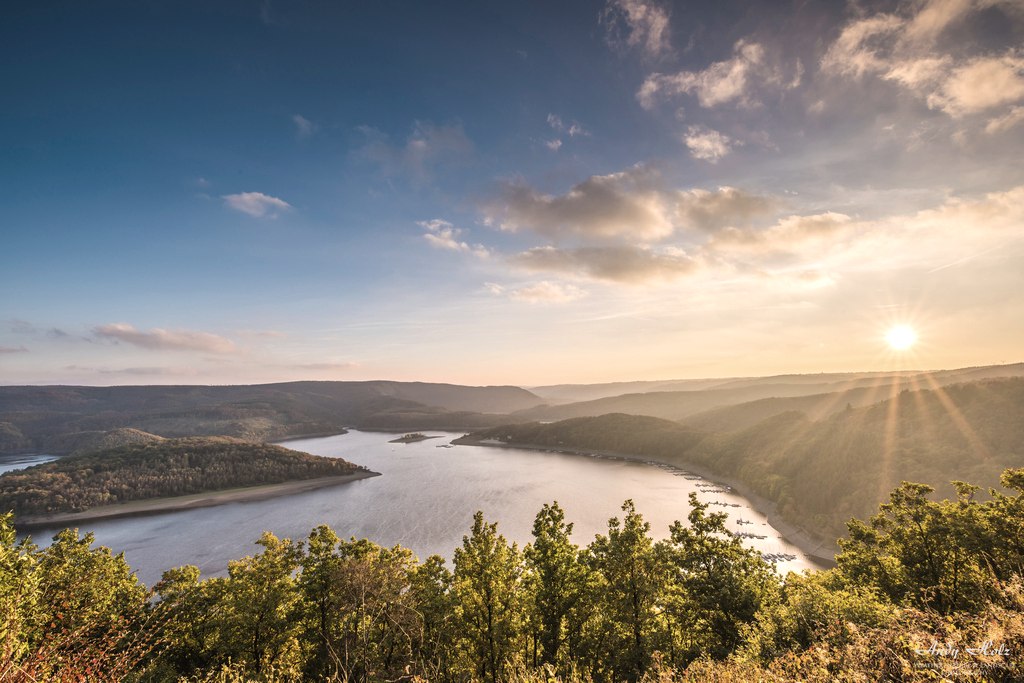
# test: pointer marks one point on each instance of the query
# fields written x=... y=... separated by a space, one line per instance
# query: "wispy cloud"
x=640 y=24
x=304 y=128
x=165 y=340
x=324 y=367
x=730 y=81
x=572 y=129
x=1003 y=123
x=907 y=48
x=256 y=204
x=150 y=371
x=543 y=292
x=707 y=144
x=13 y=349
x=622 y=264
x=427 y=147
x=443 y=235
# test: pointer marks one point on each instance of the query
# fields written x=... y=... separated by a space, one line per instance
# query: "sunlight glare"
x=901 y=337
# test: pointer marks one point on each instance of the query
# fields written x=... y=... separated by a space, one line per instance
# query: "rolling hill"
x=50 y=418
x=821 y=472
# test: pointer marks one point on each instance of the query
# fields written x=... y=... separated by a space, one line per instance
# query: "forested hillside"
x=823 y=472
x=917 y=581
x=157 y=469
x=53 y=419
x=706 y=401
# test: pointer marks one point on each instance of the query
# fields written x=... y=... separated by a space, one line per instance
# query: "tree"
x=431 y=592
x=717 y=585
x=485 y=586
x=557 y=581
x=254 y=611
x=924 y=552
x=632 y=583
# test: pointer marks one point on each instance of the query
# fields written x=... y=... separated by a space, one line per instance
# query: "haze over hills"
x=58 y=419
x=823 y=472
x=677 y=405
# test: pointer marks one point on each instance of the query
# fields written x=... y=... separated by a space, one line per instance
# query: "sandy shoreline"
x=822 y=552
x=137 y=508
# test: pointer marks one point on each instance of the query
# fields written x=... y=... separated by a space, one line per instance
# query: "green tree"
x=922 y=551
x=254 y=611
x=18 y=594
x=488 y=604
x=431 y=592
x=557 y=581
x=319 y=602
x=631 y=586
x=716 y=585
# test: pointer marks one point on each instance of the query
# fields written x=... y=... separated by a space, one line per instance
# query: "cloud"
x=13 y=349
x=954 y=232
x=732 y=80
x=631 y=206
x=148 y=371
x=856 y=51
x=543 y=292
x=324 y=367
x=304 y=128
x=553 y=145
x=727 y=206
x=165 y=340
x=573 y=129
x=427 y=146
x=908 y=49
x=621 y=264
x=980 y=84
x=637 y=24
x=601 y=207
x=1005 y=122
x=787 y=232
x=443 y=235
x=707 y=144
x=256 y=204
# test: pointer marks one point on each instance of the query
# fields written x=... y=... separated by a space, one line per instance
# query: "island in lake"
x=413 y=438
x=157 y=475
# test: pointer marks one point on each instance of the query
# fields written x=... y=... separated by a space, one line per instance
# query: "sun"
x=901 y=337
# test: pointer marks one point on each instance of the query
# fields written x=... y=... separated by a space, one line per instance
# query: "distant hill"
x=47 y=418
x=681 y=405
x=157 y=469
x=572 y=393
x=823 y=472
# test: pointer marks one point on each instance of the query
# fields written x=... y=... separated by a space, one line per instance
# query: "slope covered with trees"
x=916 y=580
x=822 y=472
x=53 y=419
x=157 y=469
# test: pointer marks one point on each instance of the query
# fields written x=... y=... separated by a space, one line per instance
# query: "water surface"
x=425 y=500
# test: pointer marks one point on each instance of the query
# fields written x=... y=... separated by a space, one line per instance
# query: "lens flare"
x=901 y=337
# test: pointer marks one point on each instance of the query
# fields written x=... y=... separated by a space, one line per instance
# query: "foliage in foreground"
x=919 y=582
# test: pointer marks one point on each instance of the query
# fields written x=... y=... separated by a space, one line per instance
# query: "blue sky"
x=528 y=193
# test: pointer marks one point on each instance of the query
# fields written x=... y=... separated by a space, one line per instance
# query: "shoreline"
x=820 y=551
x=154 y=506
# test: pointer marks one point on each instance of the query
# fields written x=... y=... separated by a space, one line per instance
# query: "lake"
x=425 y=500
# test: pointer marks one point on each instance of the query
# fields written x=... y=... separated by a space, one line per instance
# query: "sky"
x=518 y=193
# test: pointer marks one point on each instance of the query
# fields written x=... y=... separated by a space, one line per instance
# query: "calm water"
x=425 y=500
x=17 y=462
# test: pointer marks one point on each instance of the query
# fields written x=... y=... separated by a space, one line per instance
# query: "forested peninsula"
x=158 y=468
